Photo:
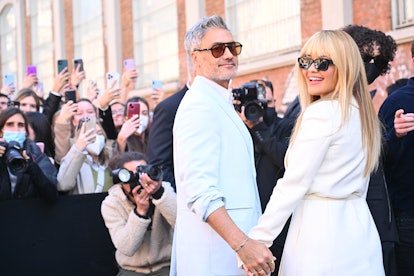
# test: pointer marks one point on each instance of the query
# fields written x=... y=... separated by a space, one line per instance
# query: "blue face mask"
x=18 y=136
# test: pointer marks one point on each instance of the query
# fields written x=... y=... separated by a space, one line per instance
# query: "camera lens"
x=253 y=111
x=14 y=159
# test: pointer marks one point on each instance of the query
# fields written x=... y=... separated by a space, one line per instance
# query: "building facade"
x=105 y=32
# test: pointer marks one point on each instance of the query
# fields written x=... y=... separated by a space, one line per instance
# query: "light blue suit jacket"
x=214 y=165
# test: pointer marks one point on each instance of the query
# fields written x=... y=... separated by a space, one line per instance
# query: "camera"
x=252 y=95
x=126 y=176
x=14 y=158
x=153 y=171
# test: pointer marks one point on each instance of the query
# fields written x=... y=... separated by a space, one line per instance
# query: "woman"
x=334 y=147
x=134 y=132
x=140 y=221
x=29 y=101
x=25 y=172
x=84 y=167
x=40 y=131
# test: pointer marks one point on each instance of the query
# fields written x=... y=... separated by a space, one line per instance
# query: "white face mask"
x=96 y=147
x=143 y=124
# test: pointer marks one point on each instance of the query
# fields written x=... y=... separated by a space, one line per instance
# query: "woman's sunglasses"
x=321 y=64
x=219 y=49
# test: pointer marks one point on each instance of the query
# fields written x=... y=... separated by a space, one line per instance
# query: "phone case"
x=61 y=64
x=76 y=62
x=129 y=64
x=110 y=77
x=8 y=79
x=31 y=70
x=70 y=95
x=156 y=84
x=133 y=108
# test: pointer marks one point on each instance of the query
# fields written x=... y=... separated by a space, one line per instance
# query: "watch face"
x=124 y=175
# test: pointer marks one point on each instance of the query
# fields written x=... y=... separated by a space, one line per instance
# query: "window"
x=155 y=40
x=88 y=38
x=261 y=26
x=404 y=11
x=42 y=40
x=8 y=41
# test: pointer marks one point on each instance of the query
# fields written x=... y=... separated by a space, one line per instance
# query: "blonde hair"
x=351 y=83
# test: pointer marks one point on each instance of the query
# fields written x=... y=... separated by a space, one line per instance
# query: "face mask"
x=96 y=147
x=18 y=136
x=372 y=72
x=143 y=124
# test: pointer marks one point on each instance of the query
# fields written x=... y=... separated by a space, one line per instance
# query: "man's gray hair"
x=196 y=33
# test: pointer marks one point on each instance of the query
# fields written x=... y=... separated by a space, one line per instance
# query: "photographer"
x=270 y=135
x=140 y=214
x=25 y=172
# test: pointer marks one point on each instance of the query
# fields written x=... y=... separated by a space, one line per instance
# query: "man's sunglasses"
x=219 y=49
x=321 y=64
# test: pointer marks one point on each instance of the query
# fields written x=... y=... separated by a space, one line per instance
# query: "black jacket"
x=38 y=181
x=160 y=140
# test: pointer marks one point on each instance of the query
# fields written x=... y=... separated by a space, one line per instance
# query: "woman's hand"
x=67 y=112
x=142 y=200
x=61 y=80
x=77 y=76
x=108 y=96
x=150 y=186
x=85 y=137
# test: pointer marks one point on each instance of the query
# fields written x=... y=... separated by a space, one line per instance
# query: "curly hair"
x=367 y=39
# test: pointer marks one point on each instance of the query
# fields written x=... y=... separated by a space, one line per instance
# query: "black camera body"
x=14 y=157
x=126 y=176
x=252 y=95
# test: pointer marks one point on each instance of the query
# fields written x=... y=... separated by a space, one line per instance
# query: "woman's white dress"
x=324 y=188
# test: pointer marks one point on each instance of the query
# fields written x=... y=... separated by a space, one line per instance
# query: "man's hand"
x=257 y=259
x=403 y=123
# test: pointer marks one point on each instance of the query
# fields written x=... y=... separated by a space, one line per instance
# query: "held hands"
x=403 y=123
x=257 y=259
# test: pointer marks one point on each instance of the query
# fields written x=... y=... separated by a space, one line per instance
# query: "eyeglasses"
x=321 y=64
x=219 y=49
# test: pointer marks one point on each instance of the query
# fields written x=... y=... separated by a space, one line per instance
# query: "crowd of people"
x=213 y=182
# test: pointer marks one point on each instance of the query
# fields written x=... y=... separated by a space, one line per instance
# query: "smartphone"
x=40 y=87
x=61 y=64
x=9 y=79
x=156 y=84
x=70 y=95
x=41 y=145
x=90 y=123
x=129 y=64
x=110 y=77
x=133 y=108
x=76 y=62
x=31 y=70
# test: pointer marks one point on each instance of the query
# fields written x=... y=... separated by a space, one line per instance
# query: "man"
x=160 y=140
x=397 y=114
x=217 y=198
